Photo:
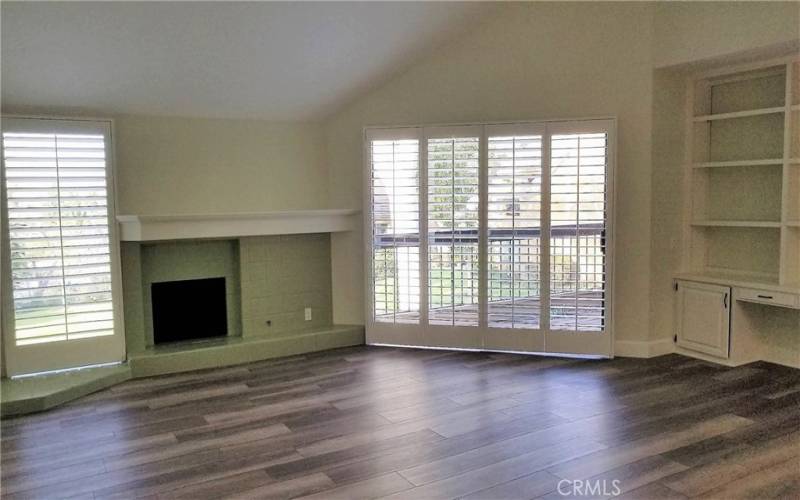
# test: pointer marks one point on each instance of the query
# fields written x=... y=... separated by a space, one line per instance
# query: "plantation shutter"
x=394 y=198
x=514 y=228
x=453 y=223
x=578 y=231
x=58 y=233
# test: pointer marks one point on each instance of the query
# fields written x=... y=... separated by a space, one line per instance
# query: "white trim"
x=392 y=134
x=643 y=349
x=501 y=351
x=453 y=131
x=372 y=128
x=194 y=226
x=512 y=129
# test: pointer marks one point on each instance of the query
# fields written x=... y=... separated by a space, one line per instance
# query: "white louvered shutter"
x=578 y=231
x=453 y=222
x=58 y=223
x=514 y=231
x=395 y=185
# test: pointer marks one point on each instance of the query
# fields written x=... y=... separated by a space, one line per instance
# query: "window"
x=58 y=232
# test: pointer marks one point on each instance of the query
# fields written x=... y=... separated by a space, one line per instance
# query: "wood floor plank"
x=218 y=488
x=525 y=487
x=375 y=487
x=779 y=481
x=611 y=458
x=652 y=491
x=413 y=456
x=480 y=457
x=700 y=479
x=291 y=488
x=500 y=472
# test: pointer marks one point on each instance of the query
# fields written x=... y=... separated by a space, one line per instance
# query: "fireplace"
x=189 y=310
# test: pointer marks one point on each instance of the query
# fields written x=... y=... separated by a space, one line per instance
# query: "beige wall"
x=188 y=165
x=533 y=61
x=689 y=31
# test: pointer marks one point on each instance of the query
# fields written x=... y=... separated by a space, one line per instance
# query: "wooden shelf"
x=736 y=223
x=740 y=114
x=739 y=163
x=793 y=223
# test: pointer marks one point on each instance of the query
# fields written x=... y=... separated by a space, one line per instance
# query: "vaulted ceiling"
x=274 y=61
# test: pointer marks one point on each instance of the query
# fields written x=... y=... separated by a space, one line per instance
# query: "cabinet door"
x=704 y=317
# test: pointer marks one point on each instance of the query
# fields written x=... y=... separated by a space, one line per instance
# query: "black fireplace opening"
x=189 y=310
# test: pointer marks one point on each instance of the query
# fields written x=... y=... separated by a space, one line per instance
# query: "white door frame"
x=59 y=355
x=541 y=340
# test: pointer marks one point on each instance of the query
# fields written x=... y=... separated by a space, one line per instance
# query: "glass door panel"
x=514 y=231
x=395 y=229
x=453 y=222
x=579 y=205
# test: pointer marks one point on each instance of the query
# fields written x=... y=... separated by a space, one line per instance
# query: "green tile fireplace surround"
x=270 y=280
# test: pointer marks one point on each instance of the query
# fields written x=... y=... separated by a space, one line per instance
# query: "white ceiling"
x=275 y=61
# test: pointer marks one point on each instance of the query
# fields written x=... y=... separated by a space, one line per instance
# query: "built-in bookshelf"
x=743 y=174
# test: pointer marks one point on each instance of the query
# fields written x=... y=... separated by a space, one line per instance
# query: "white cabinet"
x=704 y=317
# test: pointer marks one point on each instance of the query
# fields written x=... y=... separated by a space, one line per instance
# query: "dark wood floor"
x=381 y=422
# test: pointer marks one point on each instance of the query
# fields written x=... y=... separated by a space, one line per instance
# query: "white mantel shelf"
x=197 y=226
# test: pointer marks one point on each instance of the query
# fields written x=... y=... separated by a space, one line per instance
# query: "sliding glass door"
x=491 y=236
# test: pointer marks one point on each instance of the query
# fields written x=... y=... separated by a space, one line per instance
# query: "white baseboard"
x=643 y=349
